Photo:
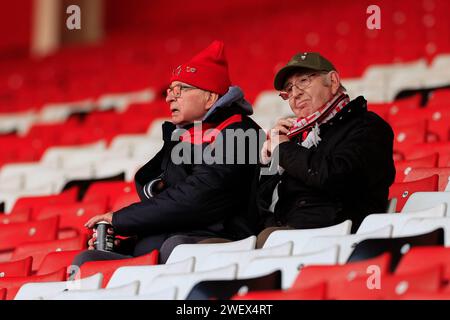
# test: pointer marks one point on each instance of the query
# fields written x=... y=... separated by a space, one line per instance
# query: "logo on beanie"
x=190 y=69
x=177 y=71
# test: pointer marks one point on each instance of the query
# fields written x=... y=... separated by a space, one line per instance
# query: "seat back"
x=301 y=236
x=397 y=247
x=225 y=289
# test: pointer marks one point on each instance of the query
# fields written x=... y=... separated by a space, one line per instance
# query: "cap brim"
x=284 y=73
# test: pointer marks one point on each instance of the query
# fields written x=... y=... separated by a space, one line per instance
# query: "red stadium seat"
x=107 y=267
x=421 y=295
x=315 y=292
x=403 y=190
x=422 y=173
x=125 y=200
x=436 y=121
x=15 y=234
x=54 y=261
x=17 y=268
x=387 y=286
x=409 y=135
x=111 y=190
x=39 y=250
x=2 y=294
x=313 y=275
x=423 y=257
x=34 y=203
x=439 y=98
x=425 y=149
x=13 y=284
x=72 y=215
x=20 y=215
x=404 y=167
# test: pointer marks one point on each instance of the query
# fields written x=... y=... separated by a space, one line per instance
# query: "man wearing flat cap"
x=334 y=158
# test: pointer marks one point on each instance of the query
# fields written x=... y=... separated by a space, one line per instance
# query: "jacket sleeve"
x=368 y=148
x=192 y=203
x=151 y=170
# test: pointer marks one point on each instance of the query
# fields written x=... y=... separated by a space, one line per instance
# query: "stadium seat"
x=346 y=243
x=56 y=260
x=242 y=258
x=425 y=200
x=424 y=257
x=54 y=157
x=10 y=198
x=313 y=275
x=16 y=268
x=109 y=190
x=403 y=190
x=126 y=166
x=166 y=294
x=397 y=221
x=402 y=168
x=47 y=290
x=36 y=202
x=130 y=289
x=315 y=292
x=425 y=149
x=19 y=216
x=12 y=235
x=146 y=274
x=107 y=267
x=39 y=250
x=72 y=215
x=389 y=286
x=84 y=184
x=424 y=225
x=136 y=145
x=13 y=284
x=423 y=295
x=422 y=173
x=290 y=266
x=201 y=251
x=2 y=294
x=124 y=200
x=301 y=236
x=408 y=135
x=225 y=289
x=184 y=282
x=397 y=247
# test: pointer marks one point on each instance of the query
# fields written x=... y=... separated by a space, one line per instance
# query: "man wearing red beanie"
x=192 y=201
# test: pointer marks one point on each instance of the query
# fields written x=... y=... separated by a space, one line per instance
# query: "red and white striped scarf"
x=324 y=114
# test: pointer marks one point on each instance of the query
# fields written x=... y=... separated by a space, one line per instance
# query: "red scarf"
x=304 y=125
x=203 y=132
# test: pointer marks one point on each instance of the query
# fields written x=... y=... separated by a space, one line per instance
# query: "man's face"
x=190 y=106
x=314 y=95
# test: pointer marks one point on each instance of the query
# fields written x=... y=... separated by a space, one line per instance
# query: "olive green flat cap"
x=307 y=60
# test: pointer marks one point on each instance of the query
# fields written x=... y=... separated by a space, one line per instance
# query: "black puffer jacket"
x=199 y=199
x=347 y=176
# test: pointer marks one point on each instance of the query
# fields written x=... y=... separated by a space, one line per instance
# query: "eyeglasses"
x=300 y=84
x=177 y=89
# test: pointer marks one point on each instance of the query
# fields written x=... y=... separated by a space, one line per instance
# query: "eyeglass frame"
x=182 y=87
x=308 y=78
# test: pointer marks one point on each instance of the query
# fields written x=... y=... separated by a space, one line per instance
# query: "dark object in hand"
x=104 y=240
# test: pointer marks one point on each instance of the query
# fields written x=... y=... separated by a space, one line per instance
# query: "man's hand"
x=266 y=153
x=278 y=134
x=103 y=217
x=282 y=127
